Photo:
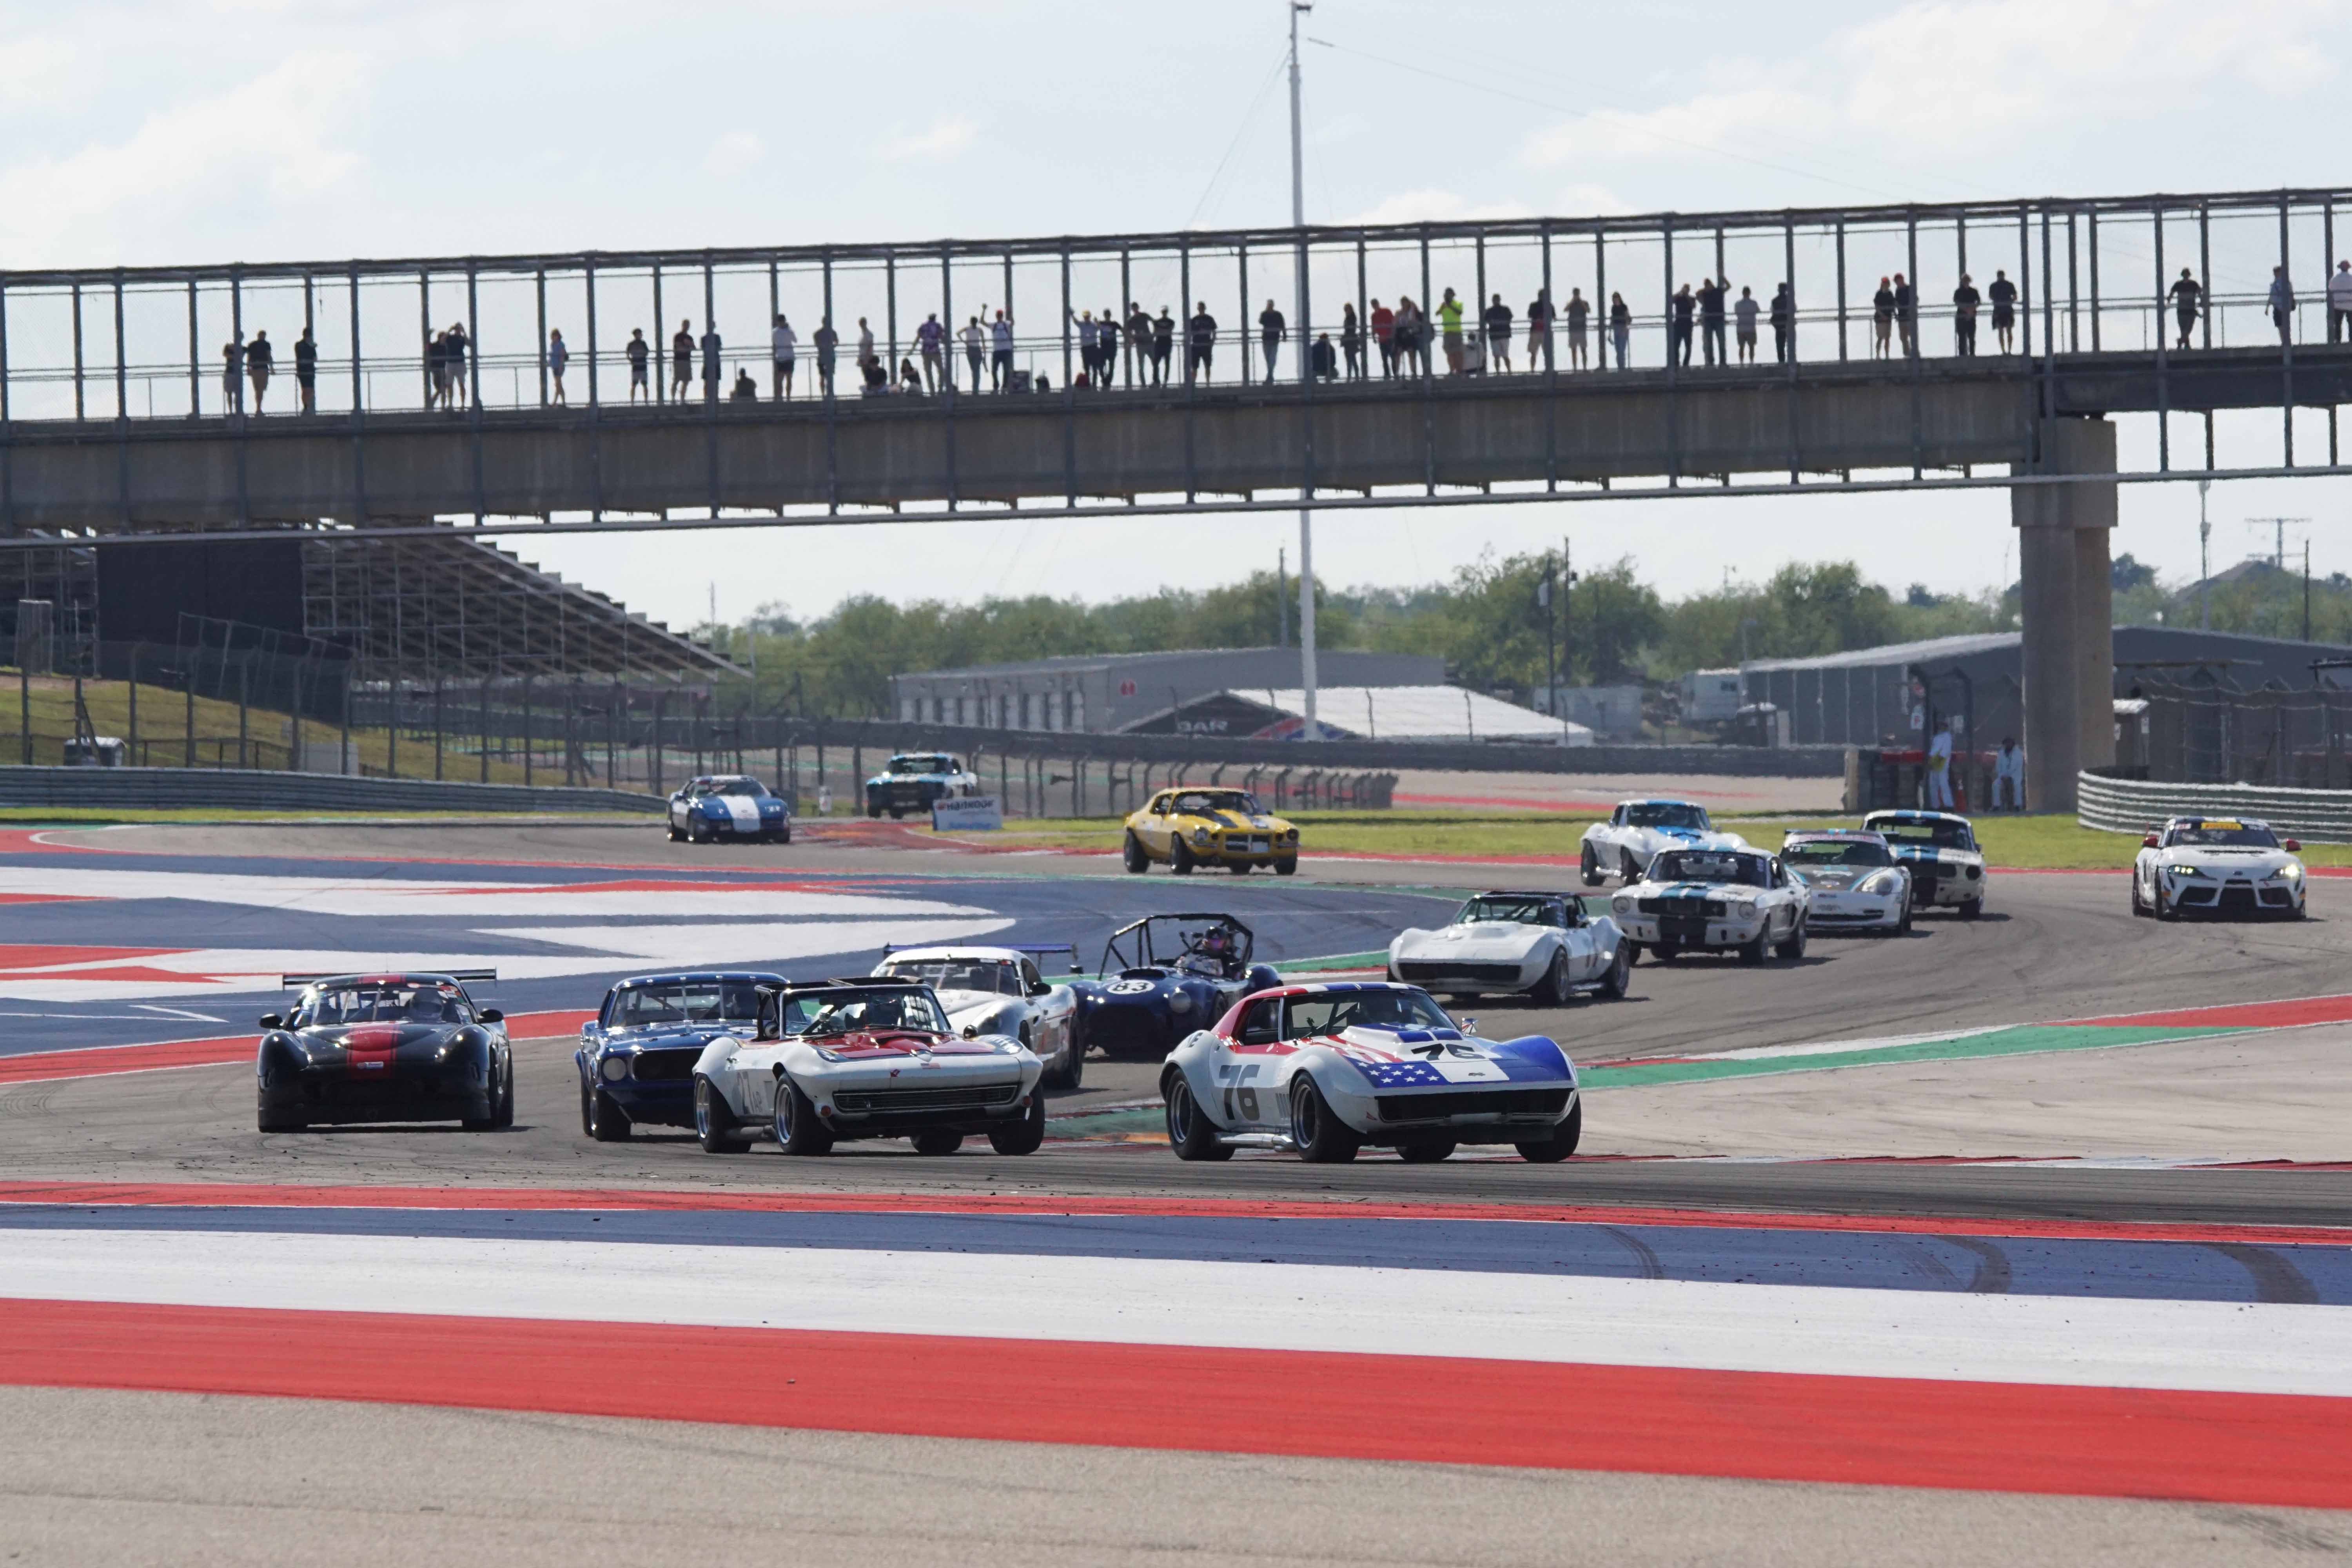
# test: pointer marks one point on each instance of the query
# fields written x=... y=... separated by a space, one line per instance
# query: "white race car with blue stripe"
x=1327 y=1069
x=735 y=806
x=1637 y=830
x=1716 y=901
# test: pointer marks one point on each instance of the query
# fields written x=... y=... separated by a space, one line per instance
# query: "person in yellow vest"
x=1939 y=768
x=1449 y=317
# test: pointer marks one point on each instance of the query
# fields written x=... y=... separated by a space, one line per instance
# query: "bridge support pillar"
x=2066 y=610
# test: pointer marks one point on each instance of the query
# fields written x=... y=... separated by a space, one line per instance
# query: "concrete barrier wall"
x=2134 y=806
x=150 y=789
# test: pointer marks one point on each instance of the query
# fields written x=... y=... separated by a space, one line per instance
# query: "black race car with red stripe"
x=385 y=1048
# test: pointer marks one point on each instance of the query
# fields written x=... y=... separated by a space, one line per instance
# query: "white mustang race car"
x=867 y=1057
x=1854 y=880
x=1541 y=944
x=1939 y=849
x=1624 y=845
x=1326 y=1070
x=2217 y=866
x=1720 y=901
x=999 y=991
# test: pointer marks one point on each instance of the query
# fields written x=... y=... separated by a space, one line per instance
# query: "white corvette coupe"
x=1716 y=901
x=1327 y=1069
x=1939 y=849
x=1637 y=830
x=1539 y=944
x=999 y=991
x=1856 y=881
x=867 y=1057
x=2217 y=866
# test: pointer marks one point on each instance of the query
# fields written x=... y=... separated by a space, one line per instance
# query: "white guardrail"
x=2134 y=806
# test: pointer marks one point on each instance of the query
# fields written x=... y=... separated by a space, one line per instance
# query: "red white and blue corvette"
x=1327 y=1069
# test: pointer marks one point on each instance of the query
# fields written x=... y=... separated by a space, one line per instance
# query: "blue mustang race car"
x=636 y=1056
x=1174 y=975
x=915 y=781
x=722 y=807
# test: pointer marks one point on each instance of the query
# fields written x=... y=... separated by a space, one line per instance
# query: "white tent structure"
x=1423 y=713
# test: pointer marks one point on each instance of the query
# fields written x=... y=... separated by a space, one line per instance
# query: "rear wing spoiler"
x=289 y=982
x=1036 y=948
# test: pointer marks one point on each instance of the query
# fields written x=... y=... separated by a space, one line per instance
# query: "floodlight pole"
x=1303 y=354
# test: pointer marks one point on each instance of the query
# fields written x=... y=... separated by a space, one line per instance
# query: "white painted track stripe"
x=2190 y=1346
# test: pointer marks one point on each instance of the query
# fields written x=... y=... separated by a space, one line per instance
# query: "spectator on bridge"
x=710 y=367
x=1964 y=299
x=2187 y=298
x=1089 y=342
x=1384 y=337
x=2003 y=295
x=1411 y=337
x=1680 y=312
x=682 y=353
x=1621 y=326
x=975 y=350
x=1271 y=329
x=864 y=343
x=828 y=350
x=306 y=371
x=783 y=348
x=1139 y=345
x=457 y=344
x=1200 y=342
x=1579 y=314
x=558 y=357
x=1541 y=316
x=2281 y=301
x=639 y=354
x=1784 y=325
x=1163 y=344
x=2008 y=775
x=908 y=382
x=1744 y=315
x=931 y=338
x=1907 y=315
x=1882 y=319
x=745 y=389
x=436 y=368
x=1449 y=320
x=874 y=376
x=1351 y=340
x=1001 y=340
x=1497 y=320
x=1711 y=293
x=1323 y=361
x=2339 y=301
x=258 y=362
x=1107 y=348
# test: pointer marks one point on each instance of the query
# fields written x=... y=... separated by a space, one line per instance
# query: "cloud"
x=734 y=152
x=1437 y=206
x=947 y=136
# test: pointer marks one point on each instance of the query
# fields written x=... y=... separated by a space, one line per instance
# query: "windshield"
x=1710 y=865
x=688 y=1002
x=1804 y=852
x=921 y=766
x=1328 y=1012
x=1000 y=975
x=1201 y=802
x=1525 y=911
x=2222 y=836
x=396 y=1003
x=1942 y=835
x=1666 y=813
x=822 y=1014
x=750 y=788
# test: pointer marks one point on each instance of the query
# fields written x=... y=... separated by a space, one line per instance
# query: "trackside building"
x=1105 y=693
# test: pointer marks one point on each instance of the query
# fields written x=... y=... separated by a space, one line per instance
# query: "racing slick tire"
x=1426 y=1150
x=1286 y=867
x=1665 y=951
x=268 y=1120
x=676 y=834
x=1561 y=1144
x=1620 y=975
x=487 y=1122
x=1793 y=949
x=1022 y=1137
x=1589 y=867
x=875 y=812
x=896 y=815
x=1131 y=856
x=1072 y=1071
x=795 y=1124
x=505 y=1117
x=1753 y=952
x=1902 y=922
x=934 y=1141
x=2161 y=909
x=1973 y=909
x=1322 y=1138
x=2139 y=905
x=1627 y=872
x=1551 y=991
x=1240 y=868
x=606 y=1122
x=1180 y=857
x=714 y=1123
x=1191 y=1136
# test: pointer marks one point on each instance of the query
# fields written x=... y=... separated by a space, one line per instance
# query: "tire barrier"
x=2134 y=806
x=258 y=789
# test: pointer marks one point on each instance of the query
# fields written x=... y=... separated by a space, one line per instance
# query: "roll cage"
x=1160 y=941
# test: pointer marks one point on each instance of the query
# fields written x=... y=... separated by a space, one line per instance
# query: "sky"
x=133 y=133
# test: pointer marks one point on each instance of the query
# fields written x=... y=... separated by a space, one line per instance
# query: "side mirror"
x=491 y=1016
x=971 y=1031
x=2290 y=847
x=2148 y=842
x=1040 y=989
x=272 y=1021
x=1467 y=1025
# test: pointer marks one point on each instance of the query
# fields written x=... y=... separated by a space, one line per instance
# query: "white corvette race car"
x=1327 y=1069
x=1541 y=944
x=1939 y=849
x=867 y=1057
x=1856 y=881
x=1624 y=845
x=999 y=991
x=2217 y=866
x=1716 y=901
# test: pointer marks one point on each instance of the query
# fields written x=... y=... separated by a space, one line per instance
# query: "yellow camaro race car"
x=1228 y=827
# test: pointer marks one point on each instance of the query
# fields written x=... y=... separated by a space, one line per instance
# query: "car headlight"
x=1882 y=882
x=1622 y=906
x=1179 y=1003
x=2183 y=871
x=2290 y=872
x=613 y=1069
x=1741 y=909
x=1201 y=836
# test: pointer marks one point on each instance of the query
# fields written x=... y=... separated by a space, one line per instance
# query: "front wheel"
x=1425 y=1151
x=607 y=1122
x=797 y=1125
x=270 y=1118
x=2139 y=905
x=1589 y=867
x=1190 y=1134
x=1179 y=858
x=935 y=1142
x=676 y=834
x=1973 y=909
x=1620 y=975
x=1793 y=948
x=1627 y=872
x=1551 y=991
x=1286 y=867
x=714 y=1121
x=1561 y=1144
x=1022 y=1137
x=1131 y=856
x=1322 y=1138
x=1752 y=952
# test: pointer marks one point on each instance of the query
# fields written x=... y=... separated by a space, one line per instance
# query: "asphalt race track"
x=2034 y=1232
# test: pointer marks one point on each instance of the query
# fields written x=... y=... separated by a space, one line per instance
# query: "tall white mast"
x=1303 y=351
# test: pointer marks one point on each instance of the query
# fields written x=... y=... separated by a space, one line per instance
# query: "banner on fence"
x=967 y=811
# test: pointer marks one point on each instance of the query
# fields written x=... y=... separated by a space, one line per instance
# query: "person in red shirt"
x=1384 y=333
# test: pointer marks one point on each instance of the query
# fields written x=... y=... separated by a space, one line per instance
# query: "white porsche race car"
x=1637 y=830
x=865 y=1057
x=1539 y=944
x=1856 y=881
x=999 y=991
x=1327 y=1069
x=1716 y=901
x=2217 y=866
x=1939 y=849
